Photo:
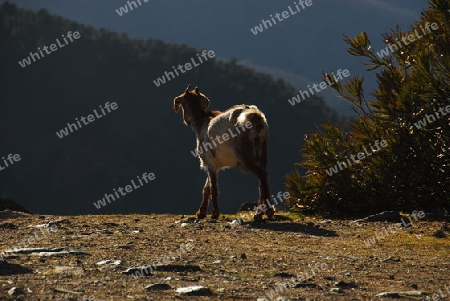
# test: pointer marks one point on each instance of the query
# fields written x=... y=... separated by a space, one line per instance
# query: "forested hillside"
x=66 y=175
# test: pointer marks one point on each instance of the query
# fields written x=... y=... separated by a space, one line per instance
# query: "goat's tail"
x=256 y=118
x=254 y=147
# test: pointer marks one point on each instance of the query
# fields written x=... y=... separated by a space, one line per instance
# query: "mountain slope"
x=69 y=174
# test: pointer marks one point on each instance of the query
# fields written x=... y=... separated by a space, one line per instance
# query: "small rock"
x=184 y=225
x=25 y=250
x=235 y=222
x=217 y=262
x=243 y=256
x=389 y=294
x=196 y=290
x=139 y=271
x=305 y=284
x=125 y=247
x=60 y=251
x=178 y=268
x=392 y=216
x=284 y=275
x=14 y=291
x=390 y=258
x=66 y=291
x=399 y=294
x=191 y=279
x=56 y=223
x=345 y=284
x=336 y=290
x=158 y=287
x=109 y=261
x=66 y=270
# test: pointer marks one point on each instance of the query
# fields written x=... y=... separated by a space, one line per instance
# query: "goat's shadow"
x=287 y=225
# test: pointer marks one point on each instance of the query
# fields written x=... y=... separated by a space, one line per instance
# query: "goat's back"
x=233 y=123
x=237 y=116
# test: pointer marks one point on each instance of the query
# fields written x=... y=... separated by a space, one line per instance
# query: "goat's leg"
x=254 y=157
x=201 y=212
x=214 y=194
x=264 y=194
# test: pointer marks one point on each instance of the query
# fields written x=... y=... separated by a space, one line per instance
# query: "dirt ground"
x=317 y=259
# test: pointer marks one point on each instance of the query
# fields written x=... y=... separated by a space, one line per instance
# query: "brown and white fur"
x=247 y=150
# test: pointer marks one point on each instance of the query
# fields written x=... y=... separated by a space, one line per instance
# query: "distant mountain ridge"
x=304 y=44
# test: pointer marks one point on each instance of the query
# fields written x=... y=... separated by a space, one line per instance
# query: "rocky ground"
x=94 y=257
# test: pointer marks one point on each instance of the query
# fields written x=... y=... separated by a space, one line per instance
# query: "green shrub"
x=413 y=171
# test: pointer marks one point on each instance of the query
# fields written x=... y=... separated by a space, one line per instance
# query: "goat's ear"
x=197 y=91
x=205 y=103
x=176 y=104
x=187 y=89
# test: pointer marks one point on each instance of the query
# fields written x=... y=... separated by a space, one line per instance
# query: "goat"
x=247 y=150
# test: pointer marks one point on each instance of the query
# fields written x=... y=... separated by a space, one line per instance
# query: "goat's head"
x=193 y=104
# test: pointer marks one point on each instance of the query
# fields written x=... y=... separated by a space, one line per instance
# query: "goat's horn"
x=196 y=90
x=188 y=87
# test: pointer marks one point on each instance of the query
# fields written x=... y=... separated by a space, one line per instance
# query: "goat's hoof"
x=270 y=214
x=257 y=217
x=215 y=215
x=200 y=215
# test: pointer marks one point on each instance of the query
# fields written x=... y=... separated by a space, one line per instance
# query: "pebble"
x=109 y=261
x=14 y=291
x=398 y=294
x=195 y=290
x=158 y=286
